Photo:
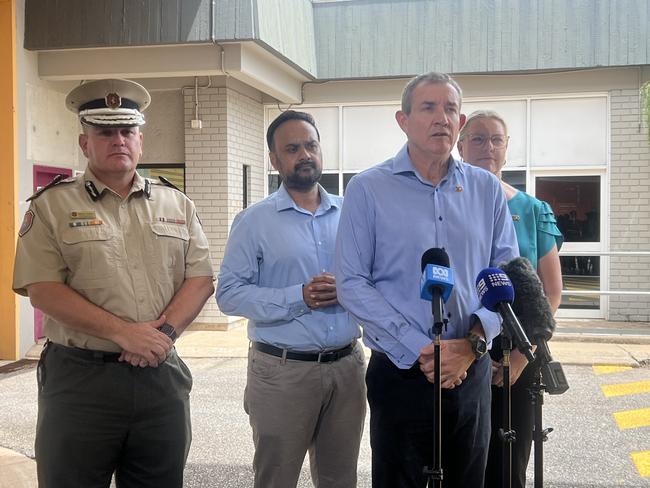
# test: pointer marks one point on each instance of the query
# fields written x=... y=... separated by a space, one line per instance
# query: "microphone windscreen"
x=531 y=305
x=494 y=287
x=435 y=256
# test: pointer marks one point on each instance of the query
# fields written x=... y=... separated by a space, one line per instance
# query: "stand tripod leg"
x=537 y=395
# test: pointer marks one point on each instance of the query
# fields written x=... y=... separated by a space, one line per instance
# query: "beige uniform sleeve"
x=38 y=256
x=197 y=259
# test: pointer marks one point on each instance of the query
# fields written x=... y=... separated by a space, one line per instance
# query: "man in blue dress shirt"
x=305 y=388
x=393 y=212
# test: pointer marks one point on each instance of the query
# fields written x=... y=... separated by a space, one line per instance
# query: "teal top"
x=535 y=226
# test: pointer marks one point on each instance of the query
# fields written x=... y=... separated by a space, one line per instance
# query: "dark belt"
x=320 y=357
x=87 y=354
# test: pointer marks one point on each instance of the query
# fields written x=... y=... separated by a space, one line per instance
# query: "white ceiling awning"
x=247 y=62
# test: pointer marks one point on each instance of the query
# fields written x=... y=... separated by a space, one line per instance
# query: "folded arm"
x=69 y=308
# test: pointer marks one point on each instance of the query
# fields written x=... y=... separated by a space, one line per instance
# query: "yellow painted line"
x=608 y=369
x=626 y=388
x=632 y=419
x=642 y=462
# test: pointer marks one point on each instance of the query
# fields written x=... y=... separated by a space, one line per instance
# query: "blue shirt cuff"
x=297 y=305
x=407 y=351
x=491 y=323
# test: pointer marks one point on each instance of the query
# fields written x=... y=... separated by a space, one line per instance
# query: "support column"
x=9 y=322
x=232 y=135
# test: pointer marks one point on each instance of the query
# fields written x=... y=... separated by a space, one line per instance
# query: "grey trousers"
x=96 y=418
x=299 y=406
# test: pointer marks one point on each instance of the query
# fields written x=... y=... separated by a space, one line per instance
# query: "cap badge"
x=113 y=100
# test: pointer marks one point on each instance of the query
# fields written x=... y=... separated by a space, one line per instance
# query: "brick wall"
x=231 y=136
x=629 y=207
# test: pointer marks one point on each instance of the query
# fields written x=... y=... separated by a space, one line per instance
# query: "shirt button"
x=331 y=328
x=141 y=299
x=319 y=243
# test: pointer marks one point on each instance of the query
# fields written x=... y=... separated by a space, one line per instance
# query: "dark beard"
x=295 y=181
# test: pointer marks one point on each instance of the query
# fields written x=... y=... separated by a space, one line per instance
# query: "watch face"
x=479 y=346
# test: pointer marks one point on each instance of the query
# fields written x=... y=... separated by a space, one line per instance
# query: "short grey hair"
x=481 y=114
x=427 y=78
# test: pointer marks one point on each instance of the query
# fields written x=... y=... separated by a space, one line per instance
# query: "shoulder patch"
x=55 y=181
x=28 y=220
x=168 y=183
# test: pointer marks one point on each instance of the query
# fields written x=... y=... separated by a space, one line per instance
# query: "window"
x=175 y=173
x=245 y=186
x=576 y=203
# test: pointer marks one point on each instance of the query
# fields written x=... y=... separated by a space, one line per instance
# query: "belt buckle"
x=327 y=356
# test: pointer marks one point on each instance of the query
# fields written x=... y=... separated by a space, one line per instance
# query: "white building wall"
x=231 y=136
x=47 y=135
x=164 y=132
x=630 y=206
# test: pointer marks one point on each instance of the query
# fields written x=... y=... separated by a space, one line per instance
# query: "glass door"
x=577 y=201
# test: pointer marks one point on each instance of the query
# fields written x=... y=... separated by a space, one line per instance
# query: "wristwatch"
x=169 y=331
x=479 y=346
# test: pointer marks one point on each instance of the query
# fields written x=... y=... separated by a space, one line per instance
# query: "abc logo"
x=440 y=272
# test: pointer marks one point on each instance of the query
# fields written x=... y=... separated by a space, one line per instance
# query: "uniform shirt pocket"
x=91 y=256
x=170 y=243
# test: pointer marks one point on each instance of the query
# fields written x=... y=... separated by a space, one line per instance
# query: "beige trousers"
x=300 y=406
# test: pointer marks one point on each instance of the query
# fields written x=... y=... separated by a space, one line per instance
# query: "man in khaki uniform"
x=120 y=267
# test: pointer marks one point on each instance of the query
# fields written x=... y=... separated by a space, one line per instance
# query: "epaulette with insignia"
x=55 y=181
x=168 y=183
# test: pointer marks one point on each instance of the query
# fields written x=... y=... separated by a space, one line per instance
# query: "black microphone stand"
x=506 y=433
x=434 y=474
x=549 y=376
x=511 y=329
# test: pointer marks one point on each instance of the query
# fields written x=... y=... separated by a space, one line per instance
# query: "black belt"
x=320 y=357
x=88 y=354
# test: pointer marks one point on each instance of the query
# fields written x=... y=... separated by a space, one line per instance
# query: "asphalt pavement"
x=217 y=361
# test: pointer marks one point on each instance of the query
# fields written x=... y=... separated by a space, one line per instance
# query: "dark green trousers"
x=96 y=418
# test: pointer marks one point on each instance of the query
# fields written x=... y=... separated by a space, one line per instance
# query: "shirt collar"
x=138 y=184
x=284 y=200
x=402 y=164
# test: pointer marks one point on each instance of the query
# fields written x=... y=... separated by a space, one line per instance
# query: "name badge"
x=83 y=214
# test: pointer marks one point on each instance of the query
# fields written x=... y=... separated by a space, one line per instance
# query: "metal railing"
x=606 y=292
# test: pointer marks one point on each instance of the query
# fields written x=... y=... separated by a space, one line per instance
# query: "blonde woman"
x=483 y=142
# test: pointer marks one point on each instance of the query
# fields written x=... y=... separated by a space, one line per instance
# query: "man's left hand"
x=320 y=292
x=137 y=360
x=456 y=357
x=518 y=363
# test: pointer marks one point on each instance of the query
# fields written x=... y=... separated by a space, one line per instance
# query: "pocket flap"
x=170 y=230
x=76 y=235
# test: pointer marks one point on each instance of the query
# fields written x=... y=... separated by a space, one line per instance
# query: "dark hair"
x=285 y=117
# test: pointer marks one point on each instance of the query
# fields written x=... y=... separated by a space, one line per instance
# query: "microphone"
x=436 y=274
x=530 y=304
x=496 y=293
x=532 y=307
x=437 y=282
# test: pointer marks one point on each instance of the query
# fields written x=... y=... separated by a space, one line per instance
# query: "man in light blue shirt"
x=305 y=387
x=423 y=198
